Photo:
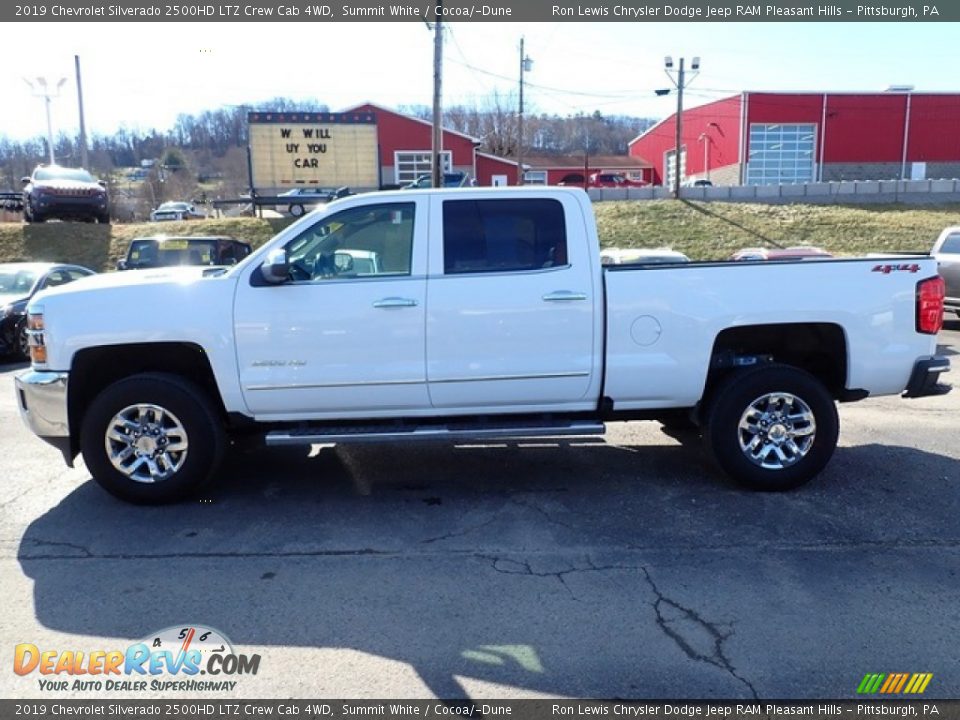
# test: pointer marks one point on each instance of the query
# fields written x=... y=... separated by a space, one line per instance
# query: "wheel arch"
x=93 y=369
x=819 y=348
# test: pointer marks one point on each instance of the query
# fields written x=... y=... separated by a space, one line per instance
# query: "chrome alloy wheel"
x=146 y=443
x=777 y=430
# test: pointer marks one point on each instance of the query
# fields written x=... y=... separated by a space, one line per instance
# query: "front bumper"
x=925 y=378
x=42 y=399
x=69 y=207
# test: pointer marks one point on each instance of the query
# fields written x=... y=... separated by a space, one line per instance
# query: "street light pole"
x=437 y=149
x=41 y=89
x=679 y=140
x=680 y=83
x=525 y=65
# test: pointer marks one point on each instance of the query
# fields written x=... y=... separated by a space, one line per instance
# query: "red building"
x=773 y=138
x=405 y=146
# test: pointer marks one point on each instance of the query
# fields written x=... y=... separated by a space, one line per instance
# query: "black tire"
x=754 y=388
x=31 y=217
x=189 y=407
x=104 y=219
x=297 y=210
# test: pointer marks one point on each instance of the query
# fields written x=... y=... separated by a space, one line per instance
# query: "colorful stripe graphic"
x=894 y=683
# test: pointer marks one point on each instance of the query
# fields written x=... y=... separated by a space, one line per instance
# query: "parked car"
x=18 y=283
x=450 y=180
x=702 y=182
x=613 y=180
x=177 y=210
x=308 y=198
x=946 y=251
x=490 y=317
x=163 y=251
x=641 y=256
x=55 y=192
x=799 y=252
x=575 y=179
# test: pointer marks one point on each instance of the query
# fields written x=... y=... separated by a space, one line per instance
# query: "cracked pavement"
x=625 y=569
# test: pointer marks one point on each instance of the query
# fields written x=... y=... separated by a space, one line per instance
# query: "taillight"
x=930 y=294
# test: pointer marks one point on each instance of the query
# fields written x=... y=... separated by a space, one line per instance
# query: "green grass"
x=715 y=230
x=701 y=230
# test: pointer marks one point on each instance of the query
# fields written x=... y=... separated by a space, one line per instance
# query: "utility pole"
x=525 y=65
x=41 y=89
x=679 y=141
x=437 y=96
x=680 y=84
x=83 y=125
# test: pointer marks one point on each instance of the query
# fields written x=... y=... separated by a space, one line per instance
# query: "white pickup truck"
x=486 y=314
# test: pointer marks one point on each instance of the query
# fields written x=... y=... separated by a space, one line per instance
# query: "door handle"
x=564 y=296
x=395 y=302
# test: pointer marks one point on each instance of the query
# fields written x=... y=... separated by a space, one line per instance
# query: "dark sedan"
x=54 y=192
x=18 y=283
x=163 y=251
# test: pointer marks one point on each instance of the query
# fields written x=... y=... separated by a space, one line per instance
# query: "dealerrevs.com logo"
x=191 y=658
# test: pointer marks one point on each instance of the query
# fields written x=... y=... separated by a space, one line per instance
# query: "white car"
x=176 y=210
x=305 y=199
x=641 y=256
x=488 y=314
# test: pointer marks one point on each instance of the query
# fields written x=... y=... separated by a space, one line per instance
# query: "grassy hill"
x=701 y=230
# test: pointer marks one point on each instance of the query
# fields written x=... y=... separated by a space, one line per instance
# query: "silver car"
x=946 y=250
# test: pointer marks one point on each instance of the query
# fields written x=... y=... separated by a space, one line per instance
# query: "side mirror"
x=25 y=181
x=102 y=183
x=276 y=268
x=121 y=264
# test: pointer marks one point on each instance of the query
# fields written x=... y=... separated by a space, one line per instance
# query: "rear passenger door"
x=510 y=304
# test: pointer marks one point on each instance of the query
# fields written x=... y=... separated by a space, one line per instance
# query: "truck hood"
x=150 y=279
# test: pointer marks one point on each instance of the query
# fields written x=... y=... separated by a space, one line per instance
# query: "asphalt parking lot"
x=627 y=569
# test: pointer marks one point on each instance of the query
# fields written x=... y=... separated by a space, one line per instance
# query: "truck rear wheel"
x=772 y=428
x=151 y=438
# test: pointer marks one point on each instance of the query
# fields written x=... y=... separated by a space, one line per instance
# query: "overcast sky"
x=142 y=75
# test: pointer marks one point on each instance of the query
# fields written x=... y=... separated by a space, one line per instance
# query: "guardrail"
x=326 y=195
x=911 y=192
x=11 y=201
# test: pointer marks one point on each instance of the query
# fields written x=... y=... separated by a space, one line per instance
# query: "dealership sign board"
x=313 y=149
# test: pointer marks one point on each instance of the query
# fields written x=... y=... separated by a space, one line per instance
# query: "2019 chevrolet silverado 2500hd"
x=486 y=314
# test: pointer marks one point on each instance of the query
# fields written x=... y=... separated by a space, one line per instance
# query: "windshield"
x=16 y=281
x=173 y=206
x=152 y=253
x=59 y=173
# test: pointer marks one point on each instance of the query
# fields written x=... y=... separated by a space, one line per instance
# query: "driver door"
x=345 y=336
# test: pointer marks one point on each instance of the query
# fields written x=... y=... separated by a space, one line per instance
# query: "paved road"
x=628 y=569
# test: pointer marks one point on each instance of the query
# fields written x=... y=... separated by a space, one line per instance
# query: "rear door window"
x=489 y=236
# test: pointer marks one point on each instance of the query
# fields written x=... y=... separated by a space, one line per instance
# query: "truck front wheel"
x=151 y=438
x=773 y=427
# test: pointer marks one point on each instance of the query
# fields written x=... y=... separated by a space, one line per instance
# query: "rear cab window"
x=951 y=244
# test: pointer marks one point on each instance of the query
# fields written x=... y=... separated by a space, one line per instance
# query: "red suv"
x=613 y=180
x=64 y=194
